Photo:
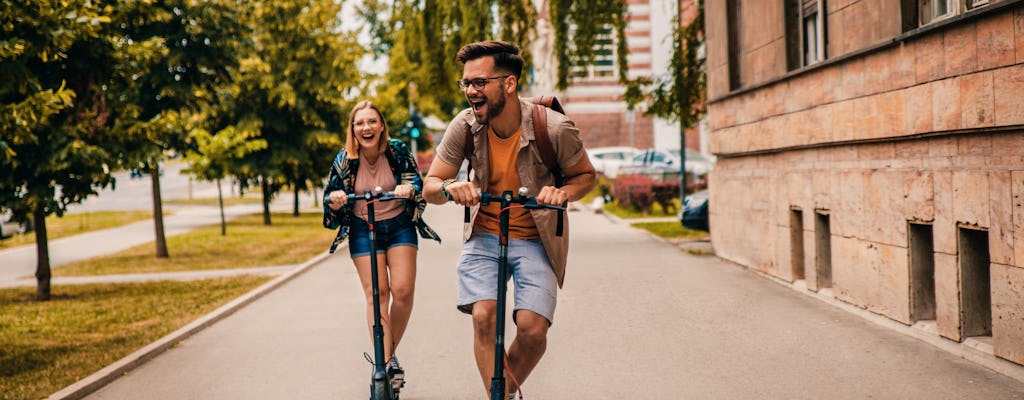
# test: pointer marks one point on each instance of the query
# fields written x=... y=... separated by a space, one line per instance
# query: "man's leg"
x=528 y=347
x=483 y=339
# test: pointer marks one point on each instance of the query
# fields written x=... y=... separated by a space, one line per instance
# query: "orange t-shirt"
x=505 y=176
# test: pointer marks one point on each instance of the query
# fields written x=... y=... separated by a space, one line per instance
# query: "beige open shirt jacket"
x=534 y=174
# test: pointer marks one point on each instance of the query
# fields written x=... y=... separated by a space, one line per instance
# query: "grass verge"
x=228 y=201
x=629 y=213
x=671 y=230
x=45 y=346
x=249 y=243
x=73 y=224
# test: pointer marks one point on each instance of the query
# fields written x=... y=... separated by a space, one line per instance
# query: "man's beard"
x=493 y=109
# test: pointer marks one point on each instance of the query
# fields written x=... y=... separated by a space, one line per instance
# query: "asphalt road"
x=638 y=318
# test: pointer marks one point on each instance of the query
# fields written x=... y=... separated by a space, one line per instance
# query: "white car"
x=607 y=160
x=652 y=160
x=9 y=228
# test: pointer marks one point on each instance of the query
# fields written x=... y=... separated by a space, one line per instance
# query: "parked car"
x=694 y=212
x=607 y=160
x=696 y=163
x=9 y=228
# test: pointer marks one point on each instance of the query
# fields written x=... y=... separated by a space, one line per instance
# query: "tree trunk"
x=42 y=254
x=220 y=200
x=295 y=211
x=158 y=212
x=266 y=200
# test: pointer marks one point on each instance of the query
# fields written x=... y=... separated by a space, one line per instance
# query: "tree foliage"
x=54 y=110
x=680 y=94
x=294 y=83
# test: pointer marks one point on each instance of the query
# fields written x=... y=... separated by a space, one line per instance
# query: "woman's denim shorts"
x=397 y=231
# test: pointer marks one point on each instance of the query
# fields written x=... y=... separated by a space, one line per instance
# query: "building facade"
x=594 y=98
x=873 y=151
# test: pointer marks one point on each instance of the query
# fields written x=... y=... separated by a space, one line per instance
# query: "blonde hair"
x=351 y=144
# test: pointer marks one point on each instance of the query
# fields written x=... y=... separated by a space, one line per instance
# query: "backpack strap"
x=547 y=151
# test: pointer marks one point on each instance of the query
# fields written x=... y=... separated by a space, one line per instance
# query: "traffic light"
x=414 y=127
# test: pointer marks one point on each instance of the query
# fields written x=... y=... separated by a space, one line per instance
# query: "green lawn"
x=629 y=213
x=249 y=243
x=228 y=201
x=73 y=224
x=45 y=346
x=672 y=230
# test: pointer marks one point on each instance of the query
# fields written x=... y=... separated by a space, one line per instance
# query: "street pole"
x=630 y=121
x=412 y=111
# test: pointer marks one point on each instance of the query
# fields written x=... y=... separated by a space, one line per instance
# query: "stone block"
x=946 y=104
x=979 y=145
x=996 y=41
x=961 y=46
x=1008 y=144
x=919 y=196
x=878 y=68
x=891 y=114
x=947 y=296
x=831 y=82
x=918 y=109
x=1018 y=29
x=810 y=255
x=944 y=229
x=978 y=106
x=884 y=215
x=845 y=123
x=1001 y=216
x=943 y=147
x=853 y=79
x=894 y=281
x=970 y=198
x=903 y=66
x=1008 y=312
x=851 y=277
x=783 y=248
x=929 y=54
x=847 y=190
x=821 y=189
x=1008 y=84
x=1017 y=191
x=867 y=119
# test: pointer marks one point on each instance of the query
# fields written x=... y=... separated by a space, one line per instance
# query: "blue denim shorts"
x=392 y=232
x=535 y=285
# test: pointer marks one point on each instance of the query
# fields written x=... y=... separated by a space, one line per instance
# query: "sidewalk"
x=18 y=265
x=710 y=329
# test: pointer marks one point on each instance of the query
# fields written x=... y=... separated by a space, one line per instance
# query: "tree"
x=422 y=38
x=54 y=111
x=679 y=95
x=295 y=84
x=198 y=48
x=216 y=154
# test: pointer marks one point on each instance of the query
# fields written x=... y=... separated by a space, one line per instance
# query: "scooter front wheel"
x=381 y=390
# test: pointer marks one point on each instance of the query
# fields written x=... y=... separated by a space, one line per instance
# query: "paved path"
x=19 y=264
x=638 y=318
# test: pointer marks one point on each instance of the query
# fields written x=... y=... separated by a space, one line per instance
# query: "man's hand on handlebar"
x=552 y=196
x=464 y=193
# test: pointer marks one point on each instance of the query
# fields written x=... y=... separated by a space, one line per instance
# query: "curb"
x=121 y=367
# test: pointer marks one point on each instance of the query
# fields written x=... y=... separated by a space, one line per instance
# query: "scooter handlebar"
x=527 y=202
x=376 y=194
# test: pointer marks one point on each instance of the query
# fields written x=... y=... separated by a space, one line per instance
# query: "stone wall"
x=928 y=130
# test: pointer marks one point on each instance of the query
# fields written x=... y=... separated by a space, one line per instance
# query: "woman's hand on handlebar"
x=338 y=199
x=464 y=193
x=550 y=195
x=404 y=191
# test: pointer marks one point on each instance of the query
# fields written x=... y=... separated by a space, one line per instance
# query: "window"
x=934 y=10
x=812 y=31
x=605 y=54
x=805 y=32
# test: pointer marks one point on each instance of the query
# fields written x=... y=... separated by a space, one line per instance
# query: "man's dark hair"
x=506 y=55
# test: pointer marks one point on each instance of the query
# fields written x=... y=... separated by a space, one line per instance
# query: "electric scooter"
x=380 y=386
x=506 y=199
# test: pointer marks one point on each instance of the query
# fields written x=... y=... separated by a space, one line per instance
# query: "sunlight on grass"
x=628 y=212
x=212 y=201
x=45 y=346
x=73 y=224
x=249 y=243
x=671 y=229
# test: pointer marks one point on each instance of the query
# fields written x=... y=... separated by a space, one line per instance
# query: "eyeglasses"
x=478 y=83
